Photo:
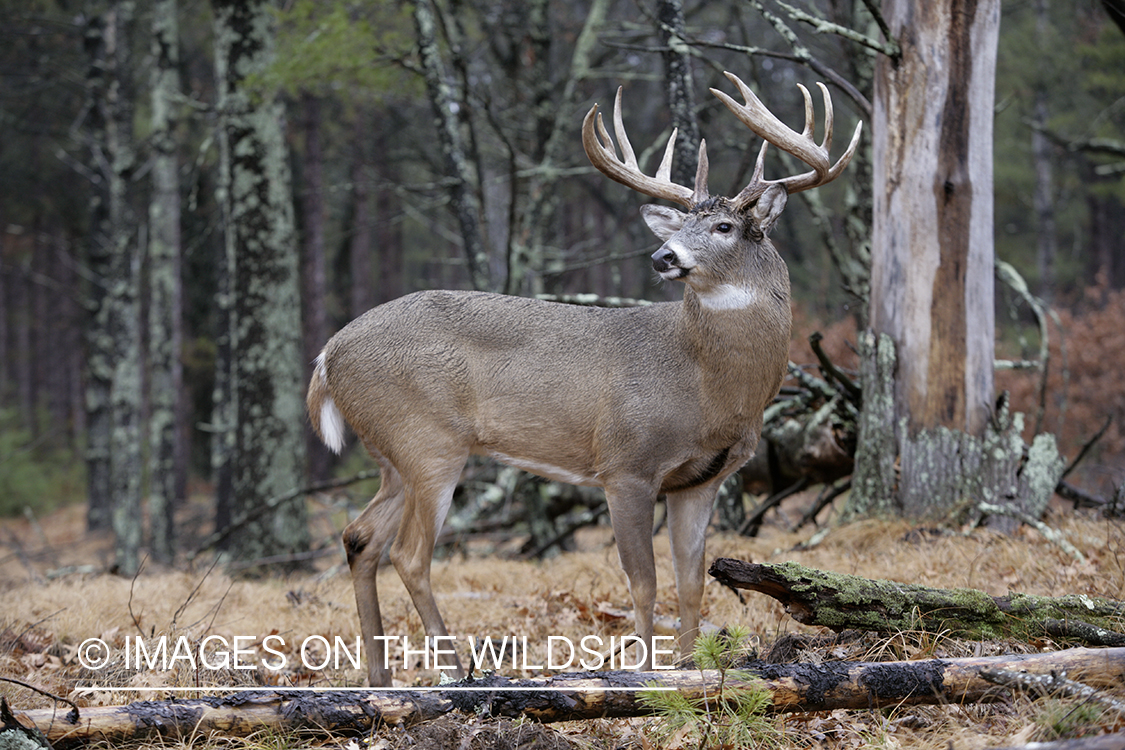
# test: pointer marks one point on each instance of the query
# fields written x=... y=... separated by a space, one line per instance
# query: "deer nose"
x=663 y=259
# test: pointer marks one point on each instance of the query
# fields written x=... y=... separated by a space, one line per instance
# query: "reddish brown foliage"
x=838 y=343
x=1084 y=387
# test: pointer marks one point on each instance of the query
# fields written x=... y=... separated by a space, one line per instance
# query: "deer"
x=665 y=399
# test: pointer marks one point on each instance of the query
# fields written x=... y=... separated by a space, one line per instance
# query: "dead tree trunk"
x=840 y=602
x=567 y=697
x=930 y=435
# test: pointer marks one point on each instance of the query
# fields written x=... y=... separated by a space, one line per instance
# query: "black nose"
x=663 y=259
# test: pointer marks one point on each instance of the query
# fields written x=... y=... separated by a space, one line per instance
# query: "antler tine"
x=619 y=131
x=766 y=125
x=602 y=154
x=664 y=171
x=810 y=115
x=760 y=164
x=829 y=117
x=701 y=193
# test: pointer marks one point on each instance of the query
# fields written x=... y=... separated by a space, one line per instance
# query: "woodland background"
x=100 y=124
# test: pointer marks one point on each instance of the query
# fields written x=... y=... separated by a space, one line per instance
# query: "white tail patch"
x=332 y=425
x=331 y=420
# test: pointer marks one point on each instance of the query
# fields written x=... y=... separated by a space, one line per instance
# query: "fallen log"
x=793 y=687
x=842 y=602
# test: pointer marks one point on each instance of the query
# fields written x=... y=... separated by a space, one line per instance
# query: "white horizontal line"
x=449 y=688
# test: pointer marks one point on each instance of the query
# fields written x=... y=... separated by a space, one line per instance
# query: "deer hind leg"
x=631 y=507
x=689 y=513
x=429 y=491
x=365 y=539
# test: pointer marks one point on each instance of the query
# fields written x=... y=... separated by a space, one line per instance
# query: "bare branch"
x=1052 y=535
x=890 y=48
x=877 y=14
x=1086 y=448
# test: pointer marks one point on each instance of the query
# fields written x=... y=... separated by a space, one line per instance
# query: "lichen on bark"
x=938 y=473
x=265 y=333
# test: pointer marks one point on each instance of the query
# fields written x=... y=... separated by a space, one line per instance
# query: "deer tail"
x=326 y=418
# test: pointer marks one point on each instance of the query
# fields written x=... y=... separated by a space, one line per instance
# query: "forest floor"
x=55 y=595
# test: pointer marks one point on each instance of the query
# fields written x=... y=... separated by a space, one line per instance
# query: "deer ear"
x=768 y=209
x=662 y=220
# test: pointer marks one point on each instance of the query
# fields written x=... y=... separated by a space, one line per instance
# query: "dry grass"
x=576 y=594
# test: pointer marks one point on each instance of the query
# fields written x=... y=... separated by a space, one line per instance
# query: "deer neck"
x=738 y=335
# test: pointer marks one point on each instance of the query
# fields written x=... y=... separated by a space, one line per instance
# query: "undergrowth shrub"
x=1061 y=719
x=34 y=473
x=732 y=714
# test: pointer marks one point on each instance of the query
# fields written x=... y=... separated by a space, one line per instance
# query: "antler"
x=766 y=125
x=599 y=148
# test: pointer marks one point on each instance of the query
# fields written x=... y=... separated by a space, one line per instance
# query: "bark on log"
x=1114 y=741
x=794 y=687
x=840 y=602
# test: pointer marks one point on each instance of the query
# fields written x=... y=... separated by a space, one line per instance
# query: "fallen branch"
x=1053 y=684
x=273 y=503
x=829 y=368
x=827 y=495
x=1086 y=448
x=1101 y=742
x=840 y=602
x=753 y=522
x=1054 y=536
x=794 y=687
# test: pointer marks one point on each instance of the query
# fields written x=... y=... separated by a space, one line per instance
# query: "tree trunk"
x=314 y=283
x=1044 y=199
x=932 y=289
x=680 y=89
x=531 y=200
x=24 y=357
x=823 y=686
x=929 y=474
x=360 y=294
x=167 y=464
x=123 y=322
x=6 y=308
x=266 y=362
x=114 y=384
x=222 y=427
x=929 y=375
x=99 y=347
x=535 y=221
x=465 y=188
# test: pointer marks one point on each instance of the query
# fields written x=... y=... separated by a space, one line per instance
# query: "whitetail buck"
x=665 y=399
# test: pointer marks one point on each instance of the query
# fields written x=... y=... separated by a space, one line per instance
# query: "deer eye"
x=723 y=227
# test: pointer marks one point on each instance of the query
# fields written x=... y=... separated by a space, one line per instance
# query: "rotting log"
x=793 y=687
x=841 y=602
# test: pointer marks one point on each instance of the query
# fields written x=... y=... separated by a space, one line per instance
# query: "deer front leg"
x=689 y=513
x=631 y=508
